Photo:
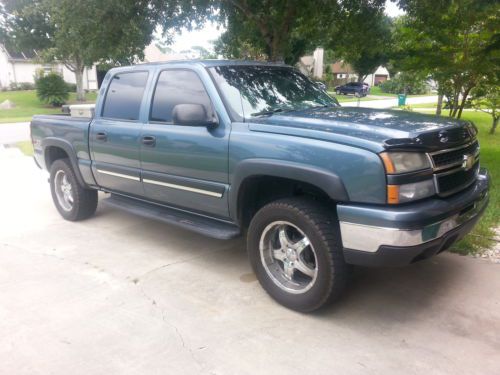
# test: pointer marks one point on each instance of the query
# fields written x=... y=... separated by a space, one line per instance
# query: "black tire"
x=321 y=227
x=84 y=201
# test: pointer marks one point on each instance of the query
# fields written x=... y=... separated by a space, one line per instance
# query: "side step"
x=199 y=224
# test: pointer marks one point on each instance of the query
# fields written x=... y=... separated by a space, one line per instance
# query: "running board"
x=199 y=224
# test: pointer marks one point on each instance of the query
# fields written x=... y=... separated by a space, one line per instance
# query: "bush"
x=71 y=87
x=51 y=89
x=405 y=82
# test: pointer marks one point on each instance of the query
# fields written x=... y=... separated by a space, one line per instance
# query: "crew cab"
x=228 y=148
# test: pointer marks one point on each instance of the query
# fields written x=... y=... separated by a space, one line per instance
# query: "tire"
x=72 y=200
x=327 y=273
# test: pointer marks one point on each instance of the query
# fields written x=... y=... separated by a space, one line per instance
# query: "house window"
x=341 y=75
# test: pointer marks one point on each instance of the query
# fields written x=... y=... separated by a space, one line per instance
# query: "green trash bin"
x=401 y=99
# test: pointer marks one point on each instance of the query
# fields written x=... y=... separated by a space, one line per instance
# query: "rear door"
x=184 y=166
x=115 y=134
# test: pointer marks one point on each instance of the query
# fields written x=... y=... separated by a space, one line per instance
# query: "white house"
x=19 y=67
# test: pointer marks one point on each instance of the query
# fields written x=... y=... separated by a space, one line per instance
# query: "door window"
x=177 y=87
x=124 y=96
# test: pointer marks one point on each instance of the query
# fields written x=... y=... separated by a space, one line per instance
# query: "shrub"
x=71 y=87
x=51 y=89
x=405 y=82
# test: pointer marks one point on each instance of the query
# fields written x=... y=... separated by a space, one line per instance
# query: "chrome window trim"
x=121 y=175
x=182 y=187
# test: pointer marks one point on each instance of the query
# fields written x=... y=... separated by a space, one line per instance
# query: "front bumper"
x=394 y=236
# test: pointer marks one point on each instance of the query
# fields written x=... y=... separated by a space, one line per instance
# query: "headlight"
x=410 y=192
x=403 y=162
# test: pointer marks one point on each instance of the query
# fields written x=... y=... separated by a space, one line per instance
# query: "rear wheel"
x=72 y=200
x=295 y=250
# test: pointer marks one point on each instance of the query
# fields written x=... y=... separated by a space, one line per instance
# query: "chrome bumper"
x=369 y=238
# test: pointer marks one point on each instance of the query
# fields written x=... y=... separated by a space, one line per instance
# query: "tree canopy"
x=453 y=41
x=79 y=33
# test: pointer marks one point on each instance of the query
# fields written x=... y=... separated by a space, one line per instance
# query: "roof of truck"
x=209 y=63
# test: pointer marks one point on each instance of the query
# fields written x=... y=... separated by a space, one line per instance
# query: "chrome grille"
x=453 y=157
x=455 y=169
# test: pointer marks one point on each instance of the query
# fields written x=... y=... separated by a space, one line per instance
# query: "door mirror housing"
x=321 y=85
x=193 y=115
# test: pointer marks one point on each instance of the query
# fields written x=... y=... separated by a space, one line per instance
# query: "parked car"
x=237 y=148
x=358 y=89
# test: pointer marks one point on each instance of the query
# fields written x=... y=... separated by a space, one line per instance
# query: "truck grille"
x=455 y=169
x=447 y=159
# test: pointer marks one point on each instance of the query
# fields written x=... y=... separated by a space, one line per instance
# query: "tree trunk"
x=439 y=105
x=80 y=92
x=494 y=125
x=462 y=104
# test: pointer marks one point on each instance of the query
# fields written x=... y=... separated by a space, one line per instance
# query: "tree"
x=80 y=33
x=486 y=98
x=453 y=41
x=362 y=37
x=283 y=30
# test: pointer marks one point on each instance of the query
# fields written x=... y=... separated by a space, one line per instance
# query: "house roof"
x=341 y=67
x=19 y=55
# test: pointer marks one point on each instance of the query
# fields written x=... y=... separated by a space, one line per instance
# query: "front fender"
x=323 y=179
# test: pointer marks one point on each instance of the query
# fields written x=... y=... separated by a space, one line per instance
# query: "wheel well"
x=255 y=192
x=53 y=153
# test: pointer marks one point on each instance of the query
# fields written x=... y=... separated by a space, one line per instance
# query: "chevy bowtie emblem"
x=468 y=162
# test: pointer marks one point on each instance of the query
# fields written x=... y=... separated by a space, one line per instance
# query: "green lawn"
x=27 y=105
x=480 y=238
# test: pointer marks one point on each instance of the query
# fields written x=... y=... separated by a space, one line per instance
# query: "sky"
x=211 y=32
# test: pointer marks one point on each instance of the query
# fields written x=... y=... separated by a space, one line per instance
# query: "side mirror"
x=192 y=115
x=321 y=85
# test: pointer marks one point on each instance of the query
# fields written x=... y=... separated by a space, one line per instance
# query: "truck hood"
x=369 y=128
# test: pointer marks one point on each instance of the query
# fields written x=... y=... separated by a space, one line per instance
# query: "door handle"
x=101 y=136
x=149 y=140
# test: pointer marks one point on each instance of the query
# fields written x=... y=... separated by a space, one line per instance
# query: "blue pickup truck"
x=227 y=148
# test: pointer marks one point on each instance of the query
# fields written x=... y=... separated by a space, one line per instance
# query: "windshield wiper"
x=267 y=112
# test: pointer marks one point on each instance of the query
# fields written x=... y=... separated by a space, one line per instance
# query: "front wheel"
x=72 y=200
x=295 y=250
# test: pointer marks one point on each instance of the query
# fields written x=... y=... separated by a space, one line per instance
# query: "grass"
x=26 y=147
x=27 y=105
x=480 y=238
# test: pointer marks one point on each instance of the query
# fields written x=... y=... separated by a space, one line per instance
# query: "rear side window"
x=177 y=87
x=123 y=100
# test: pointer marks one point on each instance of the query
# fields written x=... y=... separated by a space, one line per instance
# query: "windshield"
x=259 y=90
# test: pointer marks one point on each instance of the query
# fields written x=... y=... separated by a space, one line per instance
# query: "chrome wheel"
x=63 y=190
x=288 y=257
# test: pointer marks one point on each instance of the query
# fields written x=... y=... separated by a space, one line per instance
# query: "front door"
x=115 y=135
x=184 y=166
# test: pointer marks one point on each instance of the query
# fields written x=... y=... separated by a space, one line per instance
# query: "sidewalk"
x=389 y=103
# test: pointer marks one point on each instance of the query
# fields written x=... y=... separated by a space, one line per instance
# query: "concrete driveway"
x=118 y=294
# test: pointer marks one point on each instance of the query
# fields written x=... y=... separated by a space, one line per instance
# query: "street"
x=119 y=294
